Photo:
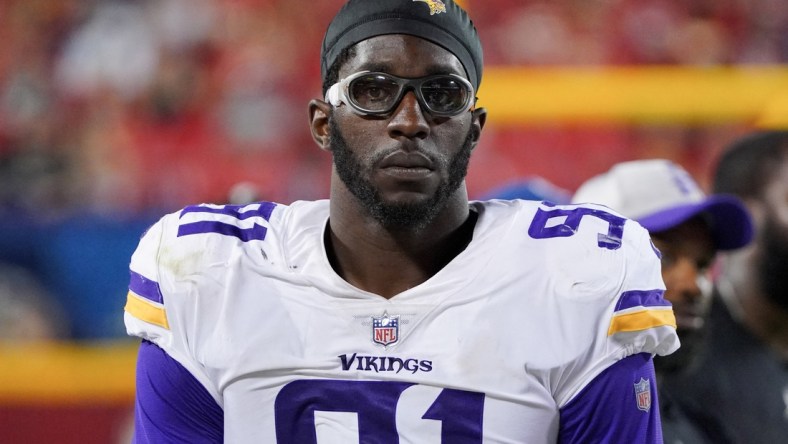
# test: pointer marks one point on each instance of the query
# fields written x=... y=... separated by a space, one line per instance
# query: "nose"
x=408 y=119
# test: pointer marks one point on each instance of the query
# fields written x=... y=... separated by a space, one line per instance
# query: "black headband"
x=441 y=22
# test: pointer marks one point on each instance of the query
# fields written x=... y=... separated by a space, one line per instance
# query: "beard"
x=354 y=172
x=772 y=261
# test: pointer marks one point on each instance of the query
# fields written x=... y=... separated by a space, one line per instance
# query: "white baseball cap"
x=660 y=195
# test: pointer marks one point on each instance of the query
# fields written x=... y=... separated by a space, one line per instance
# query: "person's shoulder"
x=187 y=254
x=187 y=240
x=586 y=266
x=588 y=251
x=210 y=229
x=566 y=226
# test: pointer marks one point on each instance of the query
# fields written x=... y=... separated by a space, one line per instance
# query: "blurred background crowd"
x=114 y=112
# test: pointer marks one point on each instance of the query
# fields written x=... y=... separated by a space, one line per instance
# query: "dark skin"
x=687 y=253
x=381 y=259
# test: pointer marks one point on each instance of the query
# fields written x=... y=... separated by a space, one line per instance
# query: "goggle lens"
x=374 y=92
x=379 y=93
x=445 y=94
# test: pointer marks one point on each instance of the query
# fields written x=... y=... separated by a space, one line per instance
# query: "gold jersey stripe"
x=141 y=309
x=641 y=320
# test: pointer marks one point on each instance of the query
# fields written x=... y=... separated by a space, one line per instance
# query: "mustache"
x=376 y=157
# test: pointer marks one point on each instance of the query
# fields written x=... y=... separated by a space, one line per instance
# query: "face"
x=403 y=168
x=687 y=253
x=355 y=172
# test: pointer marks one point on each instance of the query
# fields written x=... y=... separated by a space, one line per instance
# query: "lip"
x=406 y=160
x=406 y=165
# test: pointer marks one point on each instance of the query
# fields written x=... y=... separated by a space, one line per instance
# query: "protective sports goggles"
x=377 y=93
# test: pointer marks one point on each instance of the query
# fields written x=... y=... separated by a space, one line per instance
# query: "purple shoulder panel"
x=619 y=405
x=147 y=288
x=240 y=212
x=263 y=211
x=171 y=405
x=643 y=298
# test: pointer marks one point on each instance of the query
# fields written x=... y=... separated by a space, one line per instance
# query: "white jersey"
x=541 y=301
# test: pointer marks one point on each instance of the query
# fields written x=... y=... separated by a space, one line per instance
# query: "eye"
x=372 y=91
x=437 y=97
x=444 y=93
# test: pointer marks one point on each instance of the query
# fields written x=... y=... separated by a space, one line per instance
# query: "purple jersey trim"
x=147 y=288
x=644 y=298
x=608 y=410
x=257 y=232
x=264 y=210
x=172 y=406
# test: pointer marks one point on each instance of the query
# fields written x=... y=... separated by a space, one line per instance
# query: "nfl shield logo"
x=385 y=329
x=643 y=394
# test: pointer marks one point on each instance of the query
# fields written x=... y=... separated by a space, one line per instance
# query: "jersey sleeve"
x=178 y=295
x=159 y=308
x=145 y=313
x=171 y=405
x=642 y=319
x=619 y=405
x=605 y=291
x=613 y=318
x=175 y=399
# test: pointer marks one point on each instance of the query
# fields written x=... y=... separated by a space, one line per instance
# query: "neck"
x=387 y=261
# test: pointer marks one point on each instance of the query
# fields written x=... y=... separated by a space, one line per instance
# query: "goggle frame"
x=338 y=93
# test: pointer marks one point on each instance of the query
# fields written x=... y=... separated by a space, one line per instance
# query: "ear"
x=318 y=123
x=479 y=116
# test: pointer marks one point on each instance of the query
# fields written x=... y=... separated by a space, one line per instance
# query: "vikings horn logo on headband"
x=436 y=6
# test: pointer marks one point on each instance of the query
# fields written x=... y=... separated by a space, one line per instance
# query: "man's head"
x=755 y=168
x=441 y=22
x=687 y=226
x=400 y=81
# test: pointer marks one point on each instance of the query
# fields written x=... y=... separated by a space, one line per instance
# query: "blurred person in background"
x=739 y=389
x=688 y=228
x=28 y=313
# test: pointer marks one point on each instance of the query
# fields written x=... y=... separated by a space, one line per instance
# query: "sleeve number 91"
x=610 y=240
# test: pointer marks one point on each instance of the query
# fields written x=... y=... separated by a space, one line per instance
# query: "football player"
x=398 y=311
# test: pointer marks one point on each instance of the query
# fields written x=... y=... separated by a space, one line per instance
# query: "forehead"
x=403 y=56
x=693 y=235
